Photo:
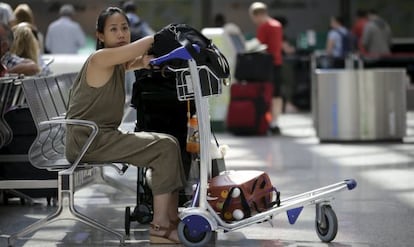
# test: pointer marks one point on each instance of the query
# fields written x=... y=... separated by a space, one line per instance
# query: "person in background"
x=376 y=37
x=335 y=44
x=219 y=20
x=270 y=32
x=25 y=45
x=358 y=28
x=14 y=63
x=98 y=94
x=139 y=28
x=289 y=83
x=24 y=13
x=6 y=13
x=65 y=35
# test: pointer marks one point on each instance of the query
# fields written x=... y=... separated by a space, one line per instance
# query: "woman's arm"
x=139 y=62
x=26 y=67
x=103 y=61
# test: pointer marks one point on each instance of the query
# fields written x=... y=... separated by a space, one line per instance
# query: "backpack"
x=137 y=31
x=176 y=35
x=347 y=42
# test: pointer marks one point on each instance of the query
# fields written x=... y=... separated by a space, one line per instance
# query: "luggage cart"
x=199 y=220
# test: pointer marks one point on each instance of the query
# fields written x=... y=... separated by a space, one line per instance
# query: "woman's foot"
x=164 y=235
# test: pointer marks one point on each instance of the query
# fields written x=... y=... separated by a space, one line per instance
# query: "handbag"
x=235 y=195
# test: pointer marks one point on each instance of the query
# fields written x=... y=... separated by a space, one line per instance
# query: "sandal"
x=163 y=239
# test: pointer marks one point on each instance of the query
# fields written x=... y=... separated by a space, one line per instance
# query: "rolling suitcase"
x=249 y=108
x=235 y=195
x=158 y=109
x=154 y=96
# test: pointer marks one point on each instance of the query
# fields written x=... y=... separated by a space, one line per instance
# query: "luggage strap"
x=245 y=205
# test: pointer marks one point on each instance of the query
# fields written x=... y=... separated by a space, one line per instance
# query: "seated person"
x=14 y=63
x=98 y=94
x=25 y=45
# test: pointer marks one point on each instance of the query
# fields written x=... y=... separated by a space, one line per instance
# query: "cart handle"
x=178 y=53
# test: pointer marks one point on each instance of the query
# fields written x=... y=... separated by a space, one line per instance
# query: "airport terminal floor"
x=378 y=212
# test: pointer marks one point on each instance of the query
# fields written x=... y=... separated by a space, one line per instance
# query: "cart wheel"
x=127 y=220
x=192 y=241
x=327 y=231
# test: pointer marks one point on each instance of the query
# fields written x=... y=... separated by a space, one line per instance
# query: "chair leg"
x=65 y=211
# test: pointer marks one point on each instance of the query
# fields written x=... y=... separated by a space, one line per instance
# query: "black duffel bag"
x=176 y=35
x=254 y=66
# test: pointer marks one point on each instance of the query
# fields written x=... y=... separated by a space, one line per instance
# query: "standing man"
x=269 y=32
x=338 y=43
x=358 y=28
x=338 y=36
x=376 y=37
x=65 y=35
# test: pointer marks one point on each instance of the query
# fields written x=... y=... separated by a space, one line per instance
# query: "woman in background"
x=25 y=45
x=23 y=13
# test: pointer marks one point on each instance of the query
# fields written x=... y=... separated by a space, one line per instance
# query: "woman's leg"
x=162 y=209
x=173 y=210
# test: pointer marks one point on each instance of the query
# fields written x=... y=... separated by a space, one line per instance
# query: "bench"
x=47 y=98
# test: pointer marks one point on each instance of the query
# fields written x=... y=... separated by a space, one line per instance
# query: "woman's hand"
x=140 y=62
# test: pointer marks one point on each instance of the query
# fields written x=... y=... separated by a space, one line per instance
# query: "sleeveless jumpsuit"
x=105 y=106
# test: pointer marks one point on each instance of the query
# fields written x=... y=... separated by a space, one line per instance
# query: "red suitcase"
x=249 y=108
x=235 y=195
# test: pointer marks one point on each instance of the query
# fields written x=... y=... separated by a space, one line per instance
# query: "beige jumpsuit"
x=105 y=106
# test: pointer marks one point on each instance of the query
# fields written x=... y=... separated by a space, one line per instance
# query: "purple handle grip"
x=178 y=53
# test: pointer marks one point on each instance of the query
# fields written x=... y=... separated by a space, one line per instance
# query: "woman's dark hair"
x=100 y=23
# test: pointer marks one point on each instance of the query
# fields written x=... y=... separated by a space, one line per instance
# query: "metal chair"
x=47 y=152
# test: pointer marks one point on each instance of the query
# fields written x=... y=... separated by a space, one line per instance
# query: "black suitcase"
x=254 y=66
x=24 y=131
x=154 y=96
x=158 y=109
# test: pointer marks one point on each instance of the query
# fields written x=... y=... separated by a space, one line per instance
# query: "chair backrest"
x=56 y=94
x=64 y=82
x=44 y=100
x=5 y=131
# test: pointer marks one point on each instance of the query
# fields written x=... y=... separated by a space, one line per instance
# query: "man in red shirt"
x=358 y=27
x=269 y=32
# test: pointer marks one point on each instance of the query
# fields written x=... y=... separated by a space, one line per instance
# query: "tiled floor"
x=379 y=212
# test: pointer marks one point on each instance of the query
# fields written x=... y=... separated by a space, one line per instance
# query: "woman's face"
x=116 y=31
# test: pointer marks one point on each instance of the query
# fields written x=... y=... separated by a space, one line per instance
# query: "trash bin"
x=359 y=105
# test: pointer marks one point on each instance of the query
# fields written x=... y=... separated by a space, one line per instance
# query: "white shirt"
x=64 y=36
